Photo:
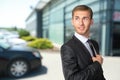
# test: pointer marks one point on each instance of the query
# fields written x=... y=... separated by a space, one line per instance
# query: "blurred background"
x=51 y=19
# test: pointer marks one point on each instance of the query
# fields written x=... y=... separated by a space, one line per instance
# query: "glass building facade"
x=56 y=23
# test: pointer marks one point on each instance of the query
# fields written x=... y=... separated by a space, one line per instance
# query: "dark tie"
x=92 y=47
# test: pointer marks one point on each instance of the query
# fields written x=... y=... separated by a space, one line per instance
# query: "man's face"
x=81 y=21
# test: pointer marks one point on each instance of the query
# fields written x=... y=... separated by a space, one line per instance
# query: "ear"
x=92 y=21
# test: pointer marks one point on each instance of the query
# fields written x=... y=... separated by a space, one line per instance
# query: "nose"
x=81 y=21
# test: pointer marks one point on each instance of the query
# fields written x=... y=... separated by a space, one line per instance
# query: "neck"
x=87 y=35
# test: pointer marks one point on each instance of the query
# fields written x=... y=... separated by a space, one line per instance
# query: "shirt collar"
x=81 y=38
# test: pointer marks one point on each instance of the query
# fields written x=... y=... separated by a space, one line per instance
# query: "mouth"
x=81 y=28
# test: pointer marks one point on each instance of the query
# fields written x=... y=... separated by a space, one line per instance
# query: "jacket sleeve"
x=71 y=69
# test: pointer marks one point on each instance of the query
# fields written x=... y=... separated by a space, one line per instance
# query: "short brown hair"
x=82 y=8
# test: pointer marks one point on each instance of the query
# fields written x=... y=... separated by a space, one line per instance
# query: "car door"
x=2 y=59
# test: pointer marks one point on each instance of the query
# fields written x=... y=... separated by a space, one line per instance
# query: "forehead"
x=81 y=13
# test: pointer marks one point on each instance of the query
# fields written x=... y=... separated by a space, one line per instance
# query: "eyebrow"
x=83 y=16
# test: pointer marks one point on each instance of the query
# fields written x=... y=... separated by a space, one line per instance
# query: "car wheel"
x=18 y=68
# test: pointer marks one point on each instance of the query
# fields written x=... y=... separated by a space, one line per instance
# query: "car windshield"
x=4 y=45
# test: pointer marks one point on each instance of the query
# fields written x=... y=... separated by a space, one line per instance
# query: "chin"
x=81 y=32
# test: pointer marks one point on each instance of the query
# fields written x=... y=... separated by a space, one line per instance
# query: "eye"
x=85 y=18
x=76 y=18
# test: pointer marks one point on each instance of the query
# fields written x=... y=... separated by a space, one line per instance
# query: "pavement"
x=52 y=67
x=111 y=67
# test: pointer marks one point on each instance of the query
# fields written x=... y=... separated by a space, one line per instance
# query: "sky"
x=15 y=12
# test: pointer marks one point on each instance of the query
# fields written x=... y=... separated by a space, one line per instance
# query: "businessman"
x=80 y=55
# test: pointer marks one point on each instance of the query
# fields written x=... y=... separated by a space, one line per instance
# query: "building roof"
x=40 y=5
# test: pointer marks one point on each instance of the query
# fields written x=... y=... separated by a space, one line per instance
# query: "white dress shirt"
x=84 y=41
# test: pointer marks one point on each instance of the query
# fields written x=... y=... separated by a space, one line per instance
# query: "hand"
x=98 y=58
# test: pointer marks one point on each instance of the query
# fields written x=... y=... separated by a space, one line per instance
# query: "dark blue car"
x=16 y=61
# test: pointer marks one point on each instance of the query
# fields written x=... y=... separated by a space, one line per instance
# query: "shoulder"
x=68 y=43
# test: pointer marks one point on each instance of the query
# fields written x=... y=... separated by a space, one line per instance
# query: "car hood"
x=22 y=48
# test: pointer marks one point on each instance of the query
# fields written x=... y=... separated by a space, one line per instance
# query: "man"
x=79 y=61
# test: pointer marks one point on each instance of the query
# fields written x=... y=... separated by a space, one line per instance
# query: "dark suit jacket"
x=77 y=62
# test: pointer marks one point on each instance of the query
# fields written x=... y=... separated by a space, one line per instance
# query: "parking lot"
x=52 y=69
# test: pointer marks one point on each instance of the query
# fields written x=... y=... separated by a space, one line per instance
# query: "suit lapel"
x=82 y=50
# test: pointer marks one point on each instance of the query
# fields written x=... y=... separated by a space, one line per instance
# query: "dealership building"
x=52 y=19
